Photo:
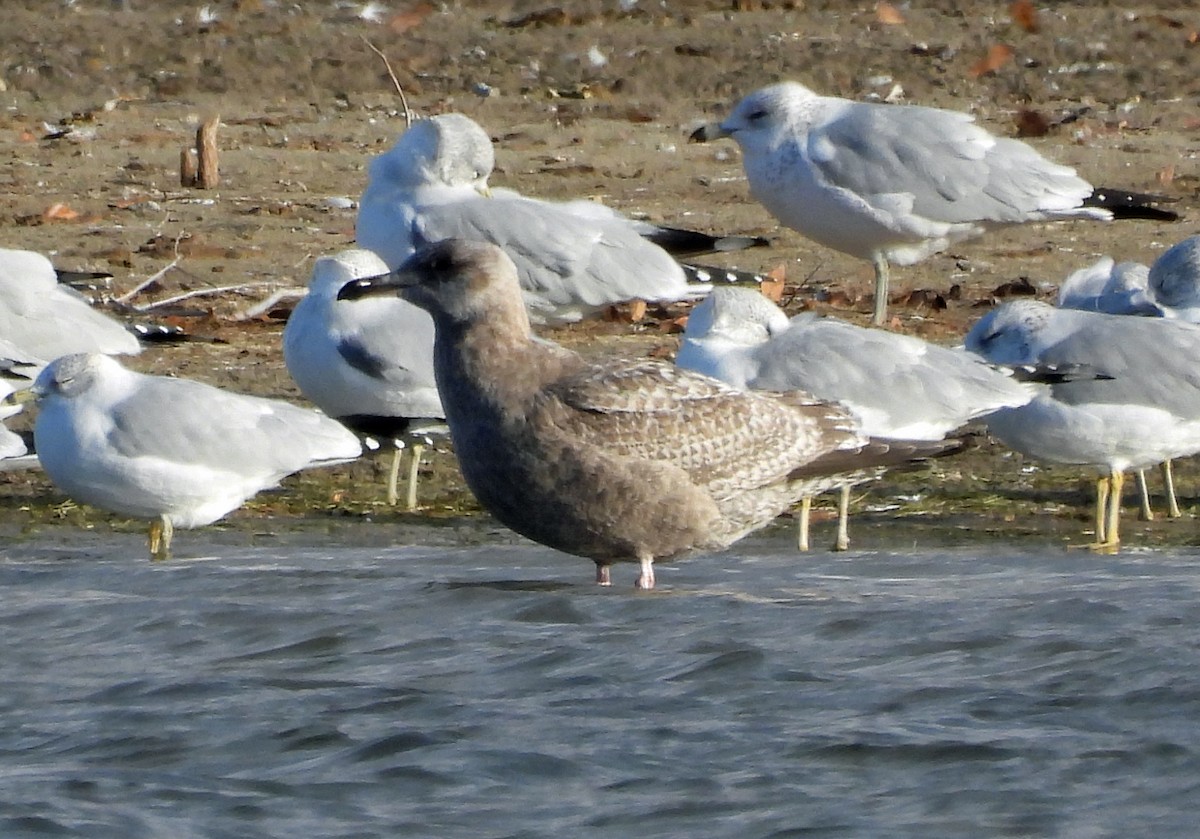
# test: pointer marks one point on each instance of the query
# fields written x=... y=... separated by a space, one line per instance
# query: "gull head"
x=331 y=273
x=1175 y=276
x=445 y=150
x=71 y=375
x=724 y=332
x=763 y=117
x=1014 y=332
x=741 y=315
x=457 y=281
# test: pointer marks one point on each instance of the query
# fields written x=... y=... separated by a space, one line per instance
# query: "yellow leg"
x=881 y=289
x=1108 y=508
x=1112 y=527
x=161 y=532
x=414 y=468
x=1145 y=514
x=393 y=494
x=1173 y=510
x=1102 y=489
x=843 y=530
x=802 y=525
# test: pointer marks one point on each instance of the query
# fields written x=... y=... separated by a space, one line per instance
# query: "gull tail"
x=879 y=452
x=685 y=244
x=1124 y=204
x=707 y=274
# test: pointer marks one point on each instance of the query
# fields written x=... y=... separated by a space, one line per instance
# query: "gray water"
x=494 y=692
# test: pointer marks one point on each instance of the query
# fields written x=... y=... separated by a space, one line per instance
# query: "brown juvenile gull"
x=614 y=461
x=898 y=183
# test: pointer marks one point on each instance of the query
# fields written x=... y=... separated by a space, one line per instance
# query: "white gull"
x=893 y=184
x=1148 y=412
x=175 y=451
x=899 y=387
x=367 y=364
x=573 y=259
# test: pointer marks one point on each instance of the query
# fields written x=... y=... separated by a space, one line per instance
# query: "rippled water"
x=493 y=692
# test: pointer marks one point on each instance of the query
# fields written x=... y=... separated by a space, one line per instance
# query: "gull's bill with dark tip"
x=369 y=286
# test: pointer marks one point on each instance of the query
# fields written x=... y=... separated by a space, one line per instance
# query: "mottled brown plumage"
x=617 y=461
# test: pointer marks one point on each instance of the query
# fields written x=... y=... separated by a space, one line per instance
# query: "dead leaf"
x=1169 y=22
x=410 y=18
x=776 y=279
x=1031 y=123
x=888 y=15
x=998 y=55
x=1165 y=175
x=636 y=311
x=59 y=212
x=1024 y=15
x=1021 y=287
x=923 y=297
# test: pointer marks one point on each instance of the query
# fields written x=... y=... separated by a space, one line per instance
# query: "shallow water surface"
x=494 y=692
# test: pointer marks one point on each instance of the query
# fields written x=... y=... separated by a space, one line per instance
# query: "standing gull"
x=46 y=319
x=178 y=452
x=1147 y=412
x=368 y=364
x=1121 y=288
x=619 y=462
x=897 y=183
x=573 y=259
x=899 y=387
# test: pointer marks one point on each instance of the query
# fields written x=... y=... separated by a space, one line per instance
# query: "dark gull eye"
x=756 y=115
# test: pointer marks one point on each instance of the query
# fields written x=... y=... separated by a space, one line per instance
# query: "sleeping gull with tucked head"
x=618 y=461
x=177 y=452
x=1147 y=412
x=899 y=387
x=46 y=319
x=1174 y=280
x=1115 y=288
x=897 y=183
x=573 y=259
x=367 y=364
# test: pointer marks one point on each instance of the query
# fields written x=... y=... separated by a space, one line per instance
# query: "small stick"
x=201 y=292
x=293 y=293
x=408 y=116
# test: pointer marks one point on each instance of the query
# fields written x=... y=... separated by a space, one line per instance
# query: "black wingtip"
x=1124 y=204
x=685 y=244
x=708 y=274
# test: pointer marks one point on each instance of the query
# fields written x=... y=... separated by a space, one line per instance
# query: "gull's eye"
x=757 y=115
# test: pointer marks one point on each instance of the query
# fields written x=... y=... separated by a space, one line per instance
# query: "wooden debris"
x=187 y=168
x=208 y=172
x=199 y=167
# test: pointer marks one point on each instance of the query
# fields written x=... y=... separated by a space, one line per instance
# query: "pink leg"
x=603 y=574
x=646 y=579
